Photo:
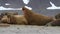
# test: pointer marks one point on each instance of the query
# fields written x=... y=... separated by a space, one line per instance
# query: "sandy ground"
x=21 y=29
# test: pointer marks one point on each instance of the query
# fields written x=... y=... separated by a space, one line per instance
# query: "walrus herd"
x=29 y=18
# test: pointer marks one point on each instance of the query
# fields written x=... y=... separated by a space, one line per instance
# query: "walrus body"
x=35 y=19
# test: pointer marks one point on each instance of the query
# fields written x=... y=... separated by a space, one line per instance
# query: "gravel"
x=29 y=29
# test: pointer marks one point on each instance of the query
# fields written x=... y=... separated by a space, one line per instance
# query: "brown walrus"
x=34 y=18
x=17 y=19
x=57 y=16
x=54 y=23
x=5 y=19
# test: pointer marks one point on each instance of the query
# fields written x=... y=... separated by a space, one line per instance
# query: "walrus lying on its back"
x=13 y=18
x=18 y=19
x=4 y=18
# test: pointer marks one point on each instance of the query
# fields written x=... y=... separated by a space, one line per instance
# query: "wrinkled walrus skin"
x=5 y=19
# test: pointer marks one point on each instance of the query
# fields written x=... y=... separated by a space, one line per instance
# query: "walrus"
x=54 y=23
x=35 y=18
x=17 y=19
x=57 y=16
x=4 y=18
